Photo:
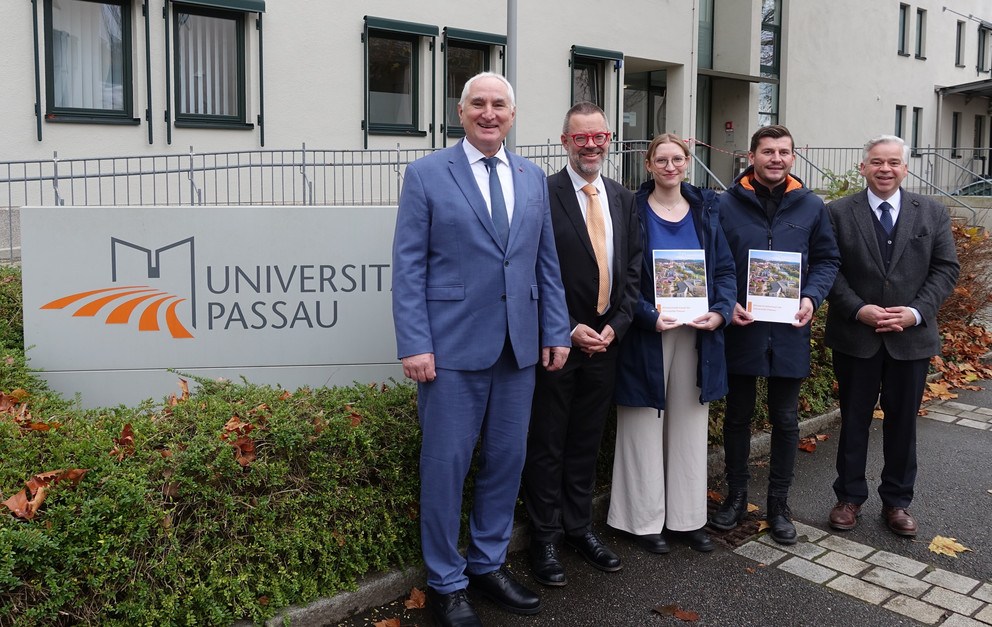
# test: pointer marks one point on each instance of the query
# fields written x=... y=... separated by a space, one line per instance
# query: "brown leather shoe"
x=899 y=520
x=844 y=515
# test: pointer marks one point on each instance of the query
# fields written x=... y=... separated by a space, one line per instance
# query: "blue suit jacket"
x=456 y=292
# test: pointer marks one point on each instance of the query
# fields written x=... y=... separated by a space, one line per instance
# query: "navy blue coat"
x=640 y=370
x=801 y=224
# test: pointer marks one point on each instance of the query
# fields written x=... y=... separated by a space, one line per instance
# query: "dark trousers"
x=783 y=413
x=566 y=428
x=901 y=383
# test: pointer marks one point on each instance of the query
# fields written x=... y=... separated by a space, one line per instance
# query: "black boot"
x=780 y=521
x=731 y=511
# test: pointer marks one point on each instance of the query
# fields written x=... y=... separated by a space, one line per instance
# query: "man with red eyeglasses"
x=599 y=251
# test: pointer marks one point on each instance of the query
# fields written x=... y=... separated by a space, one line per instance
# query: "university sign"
x=115 y=296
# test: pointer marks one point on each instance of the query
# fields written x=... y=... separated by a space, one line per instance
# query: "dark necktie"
x=886 y=218
x=497 y=202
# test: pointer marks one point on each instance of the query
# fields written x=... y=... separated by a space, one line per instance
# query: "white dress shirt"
x=481 y=172
x=578 y=183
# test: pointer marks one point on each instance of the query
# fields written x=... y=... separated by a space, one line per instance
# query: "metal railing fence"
x=306 y=176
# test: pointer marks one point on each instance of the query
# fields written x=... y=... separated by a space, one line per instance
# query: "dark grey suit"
x=921 y=274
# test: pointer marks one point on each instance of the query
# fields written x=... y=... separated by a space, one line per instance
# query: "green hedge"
x=178 y=532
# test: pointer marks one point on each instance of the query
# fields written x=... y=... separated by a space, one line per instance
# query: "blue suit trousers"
x=456 y=409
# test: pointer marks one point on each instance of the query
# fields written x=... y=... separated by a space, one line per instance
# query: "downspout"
x=146 y=10
x=261 y=86
x=511 y=62
x=365 y=91
x=168 y=76
x=433 y=92
x=37 y=68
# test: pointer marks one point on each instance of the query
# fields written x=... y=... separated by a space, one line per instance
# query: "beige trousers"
x=659 y=470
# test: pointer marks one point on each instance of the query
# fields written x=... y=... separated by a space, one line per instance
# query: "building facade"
x=88 y=78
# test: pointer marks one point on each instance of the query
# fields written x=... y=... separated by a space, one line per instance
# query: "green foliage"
x=11 y=318
x=840 y=185
x=179 y=533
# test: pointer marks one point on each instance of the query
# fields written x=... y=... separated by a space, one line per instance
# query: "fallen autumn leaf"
x=417 y=600
x=947 y=546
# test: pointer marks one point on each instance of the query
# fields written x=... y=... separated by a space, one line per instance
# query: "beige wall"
x=841 y=77
x=844 y=77
x=313 y=73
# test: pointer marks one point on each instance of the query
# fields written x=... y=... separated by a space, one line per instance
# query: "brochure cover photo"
x=680 y=283
x=773 y=284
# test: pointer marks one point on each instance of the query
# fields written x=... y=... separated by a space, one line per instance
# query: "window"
x=983 y=49
x=587 y=80
x=959 y=45
x=900 y=121
x=589 y=75
x=705 y=47
x=466 y=53
x=209 y=67
x=921 y=34
x=393 y=90
x=955 y=135
x=393 y=76
x=771 y=37
x=917 y=121
x=767 y=104
x=88 y=61
x=903 y=29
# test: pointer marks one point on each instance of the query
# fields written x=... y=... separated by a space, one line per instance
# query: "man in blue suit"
x=477 y=300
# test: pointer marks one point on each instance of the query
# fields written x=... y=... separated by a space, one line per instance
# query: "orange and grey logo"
x=151 y=295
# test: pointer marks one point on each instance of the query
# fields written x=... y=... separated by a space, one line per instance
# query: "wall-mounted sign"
x=114 y=296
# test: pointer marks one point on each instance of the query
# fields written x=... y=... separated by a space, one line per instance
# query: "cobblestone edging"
x=894 y=582
x=961 y=414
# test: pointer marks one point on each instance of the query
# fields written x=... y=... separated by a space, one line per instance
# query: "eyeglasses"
x=581 y=139
x=892 y=163
x=678 y=162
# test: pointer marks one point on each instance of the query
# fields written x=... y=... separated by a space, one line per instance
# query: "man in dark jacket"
x=768 y=209
x=599 y=251
x=899 y=265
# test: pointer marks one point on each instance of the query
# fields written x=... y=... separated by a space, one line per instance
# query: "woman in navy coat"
x=669 y=371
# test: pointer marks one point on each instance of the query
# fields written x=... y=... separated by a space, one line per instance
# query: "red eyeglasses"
x=581 y=139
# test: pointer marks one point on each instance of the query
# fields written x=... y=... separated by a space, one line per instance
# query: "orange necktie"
x=597 y=233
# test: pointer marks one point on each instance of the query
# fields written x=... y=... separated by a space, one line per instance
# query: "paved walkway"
x=865 y=577
x=918 y=590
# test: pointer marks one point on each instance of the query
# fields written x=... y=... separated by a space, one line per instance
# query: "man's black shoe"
x=780 y=521
x=452 y=609
x=545 y=565
x=592 y=550
x=731 y=512
x=505 y=591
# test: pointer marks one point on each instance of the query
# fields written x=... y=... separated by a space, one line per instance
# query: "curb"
x=382 y=588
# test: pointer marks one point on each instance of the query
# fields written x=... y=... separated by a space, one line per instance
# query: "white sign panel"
x=114 y=296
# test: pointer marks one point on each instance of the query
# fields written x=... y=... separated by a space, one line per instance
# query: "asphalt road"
x=727 y=589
